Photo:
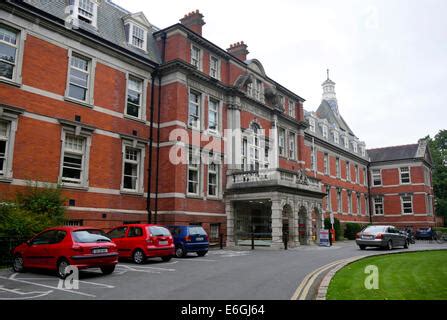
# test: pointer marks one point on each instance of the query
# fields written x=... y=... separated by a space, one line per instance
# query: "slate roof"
x=110 y=24
x=394 y=153
x=325 y=111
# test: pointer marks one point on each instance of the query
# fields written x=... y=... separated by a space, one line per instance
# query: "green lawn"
x=406 y=276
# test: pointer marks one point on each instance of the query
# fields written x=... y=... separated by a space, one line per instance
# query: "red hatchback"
x=142 y=241
x=58 y=248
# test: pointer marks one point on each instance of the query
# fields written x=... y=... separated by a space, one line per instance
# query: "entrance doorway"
x=302 y=225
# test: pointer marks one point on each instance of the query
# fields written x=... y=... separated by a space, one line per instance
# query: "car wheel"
x=62 y=266
x=202 y=253
x=180 y=252
x=17 y=264
x=362 y=247
x=139 y=257
x=390 y=245
x=407 y=244
x=166 y=259
x=108 y=269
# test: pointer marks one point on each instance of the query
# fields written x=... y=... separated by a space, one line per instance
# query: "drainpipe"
x=151 y=136
x=163 y=51
x=369 y=192
x=314 y=154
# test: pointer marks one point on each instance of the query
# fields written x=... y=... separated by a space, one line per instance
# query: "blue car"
x=425 y=234
x=189 y=239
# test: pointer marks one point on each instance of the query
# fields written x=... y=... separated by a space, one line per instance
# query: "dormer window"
x=346 y=142
x=363 y=151
x=312 y=124
x=325 y=133
x=354 y=145
x=86 y=11
x=259 y=89
x=136 y=35
x=292 y=109
x=336 y=137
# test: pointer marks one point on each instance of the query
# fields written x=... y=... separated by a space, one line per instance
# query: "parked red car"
x=141 y=241
x=57 y=248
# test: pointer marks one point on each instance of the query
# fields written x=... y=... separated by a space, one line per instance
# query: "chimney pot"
x=239 y=50
x=193 y=21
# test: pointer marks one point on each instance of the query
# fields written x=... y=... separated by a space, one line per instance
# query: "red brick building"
x=132 y=121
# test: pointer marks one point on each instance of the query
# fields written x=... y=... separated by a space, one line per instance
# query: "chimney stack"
x=194 y=21
x=239 y=50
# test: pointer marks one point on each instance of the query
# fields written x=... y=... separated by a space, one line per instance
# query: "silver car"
x=382 y=236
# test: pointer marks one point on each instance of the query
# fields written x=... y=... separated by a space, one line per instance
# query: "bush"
x=337 y=228
x=441 y=229
x=351 y=229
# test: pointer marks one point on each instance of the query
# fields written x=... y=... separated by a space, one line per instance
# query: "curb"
x=324 y=285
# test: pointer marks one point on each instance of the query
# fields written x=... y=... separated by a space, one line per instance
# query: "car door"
x=135 y=239
x=118 y=236
x=37 y=252
x=55 y=248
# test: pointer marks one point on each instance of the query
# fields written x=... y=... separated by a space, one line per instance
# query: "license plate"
x=368 y=237
x=97 y=251
x=199 y=239
x=163 y=243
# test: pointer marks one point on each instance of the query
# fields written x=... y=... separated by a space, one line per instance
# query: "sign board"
x=332 y=218
x=324 y=238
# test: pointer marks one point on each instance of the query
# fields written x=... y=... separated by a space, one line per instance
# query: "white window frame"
x=216 y=110
x=359 y=207
x=346 y=142
x=196 y=60
x=312 y=124
x=18 y=58
x=354 y=146
x=357 y=174
x=349 y=194
x=194 y=164
x=365 y=176
x=142 y=106
x=198 y=104
x=292 y=145
x=336 y=137
x=325 y=132
x=379 y=201
x=214 y=70
x=328 y=199
x=292 y=108
x=401 y=173
x=77 y=12
x=313 y=158
x=215 y=172
x=90 y=80
x=403 y=202
x=140 y=162
x=379 y=174
x=337 y=168
x=11 y=117
x=326 y=164
x=282 y=142
x=339 y=201
x=348 y=171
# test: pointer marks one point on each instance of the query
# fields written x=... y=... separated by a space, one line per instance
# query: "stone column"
x=309 y=225
x=229 y=210
x=296 y=236
x=277 y=241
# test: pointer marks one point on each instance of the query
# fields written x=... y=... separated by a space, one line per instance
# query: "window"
x=196 y=54
x=244 y=154
x=194 y=110
x=354 y=145
x=348 y=171
x=132 y=177
x=346 y=142
x=282 y=102
x=282 y=142
x=213 y=115
x=407 y=204
x=378 y=206
x=214 y=231
x=336 y=137
x=339 y=207
x=8 y=52
x=363 y=151
x=138 y=37
x=74 y=223
x=312 y=124
x=337 y=167
x=313 y=160
x=73 y=164
x=134 y=96
x=4 y=138
x=326 y=163
x=325 y=132
x=357 y=174
x=349 y=202
x=214 y=67
x=366 y=205
x=119 y=232
x=79 y=78
x=292 y=109
x=365 y=178
x=328 y=198
x=358 y=205
x=254 y=147
x=135 y=232
x=429 y=205
x=193 y=173
x=213 y=180
x=376 y=177
x=259 y=90
x=292 y=143
x=404 y=175
x=87 y=11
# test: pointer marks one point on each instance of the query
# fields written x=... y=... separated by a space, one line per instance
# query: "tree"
x=438 y=150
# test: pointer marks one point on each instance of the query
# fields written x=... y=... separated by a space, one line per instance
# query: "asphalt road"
x=222 y=274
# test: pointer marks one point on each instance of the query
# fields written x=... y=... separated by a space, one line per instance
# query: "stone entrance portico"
x=270 y=207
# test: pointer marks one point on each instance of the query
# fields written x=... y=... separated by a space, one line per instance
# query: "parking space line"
x=145 y=268
x=206 y=260
x=23 y=294
x=12 y=278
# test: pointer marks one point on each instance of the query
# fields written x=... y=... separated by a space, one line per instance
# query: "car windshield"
x=197 y=230
x=374 y=229
x=90 y=236
x=158 y=231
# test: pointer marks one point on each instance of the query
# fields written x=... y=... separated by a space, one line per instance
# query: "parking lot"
x=222 y=274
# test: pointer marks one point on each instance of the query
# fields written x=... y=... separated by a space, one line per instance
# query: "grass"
x=406 y=276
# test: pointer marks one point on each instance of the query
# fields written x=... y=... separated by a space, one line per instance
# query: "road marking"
x=303 y=289
x=195 y=259
x=12 y=278
x=23 y=294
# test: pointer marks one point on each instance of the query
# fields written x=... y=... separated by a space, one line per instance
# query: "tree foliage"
x=438 y=150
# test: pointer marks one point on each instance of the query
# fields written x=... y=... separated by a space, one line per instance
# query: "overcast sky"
x=387 y=57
